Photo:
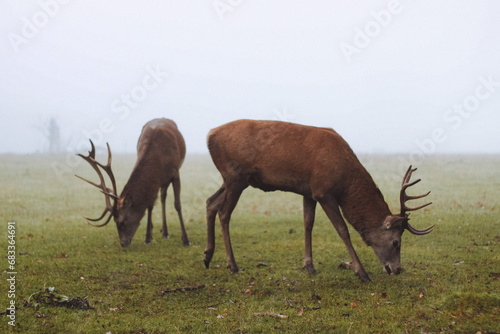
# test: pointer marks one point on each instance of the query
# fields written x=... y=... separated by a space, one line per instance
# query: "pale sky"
x=389 y=76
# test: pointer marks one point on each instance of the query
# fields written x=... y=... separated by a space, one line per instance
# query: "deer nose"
x=125 y=243
x=395 y=271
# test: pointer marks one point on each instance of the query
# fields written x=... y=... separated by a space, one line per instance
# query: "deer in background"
x=160 y=153
x=319 y=165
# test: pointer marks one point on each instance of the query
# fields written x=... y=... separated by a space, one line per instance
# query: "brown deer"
x=160 y=153
x=319 y=165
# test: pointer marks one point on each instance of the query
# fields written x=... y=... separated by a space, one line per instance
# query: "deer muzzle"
x=125 y=242
x=392 y=270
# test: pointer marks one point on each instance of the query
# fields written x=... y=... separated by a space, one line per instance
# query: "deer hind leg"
x=164 y=230
x=176 y=183
x=232 y=195
x=330 y=206
x=309 y=214
x=214 y=203
x=149 y=229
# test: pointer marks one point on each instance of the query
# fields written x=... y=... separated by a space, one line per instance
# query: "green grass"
x=450 y=283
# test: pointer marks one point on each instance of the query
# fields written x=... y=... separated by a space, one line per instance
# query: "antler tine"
x=417 y=207
x=419 y=232
x=97 y=219
x=407 y=176
x=102 y=185
x=107 y=169
x=403 y=197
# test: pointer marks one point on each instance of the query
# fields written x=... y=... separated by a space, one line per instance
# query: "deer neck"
x=363 y=206
x=142 y=186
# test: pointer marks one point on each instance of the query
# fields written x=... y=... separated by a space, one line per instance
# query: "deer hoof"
x=166 y=236
x=310 y=269
x=364 y=277
x=147 y=242
x=186 y=243
x=208 y=258
x=234 y=269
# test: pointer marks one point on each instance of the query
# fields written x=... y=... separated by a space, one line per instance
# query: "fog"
x=415 y=77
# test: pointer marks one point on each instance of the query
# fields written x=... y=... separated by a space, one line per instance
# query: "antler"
x=403 y=197
x=108 y=193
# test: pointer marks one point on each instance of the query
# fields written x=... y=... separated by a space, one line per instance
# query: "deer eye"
x=395 y=243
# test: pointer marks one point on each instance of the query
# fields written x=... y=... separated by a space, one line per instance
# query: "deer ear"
x=123 y=202
x=127 y=202
x=392 y=221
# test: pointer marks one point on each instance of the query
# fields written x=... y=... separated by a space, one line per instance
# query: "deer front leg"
x=309 y=213
x=176 y=183
x=331 y=209
x=214 y=203
x=164 y=230
x=233 y=193
x=149 y=229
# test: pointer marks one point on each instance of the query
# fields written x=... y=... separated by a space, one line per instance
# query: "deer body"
x=313 y=162
x=160 y=154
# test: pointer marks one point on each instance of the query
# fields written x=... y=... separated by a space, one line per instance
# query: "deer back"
x=160 y=153
x=276 y=155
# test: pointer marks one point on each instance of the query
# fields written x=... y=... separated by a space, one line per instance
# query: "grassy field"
x=450 y=283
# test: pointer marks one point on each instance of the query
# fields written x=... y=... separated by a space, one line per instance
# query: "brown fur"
x=160 y=154
x=316 y=163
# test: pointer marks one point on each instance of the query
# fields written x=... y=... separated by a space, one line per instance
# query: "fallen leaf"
x=63 y=256
x=252 y=282
x=345 y=265
x=384 y=295
x=39 y=261
x=495 y=275
x=300 y=312
x=353 y=304
x=248 y=291
x=272 y=314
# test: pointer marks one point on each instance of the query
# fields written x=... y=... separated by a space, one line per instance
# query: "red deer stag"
x=313 y=162
x=160 y=153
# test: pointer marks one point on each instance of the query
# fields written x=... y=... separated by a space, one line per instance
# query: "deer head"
x=126 y=217
x=387 y=245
